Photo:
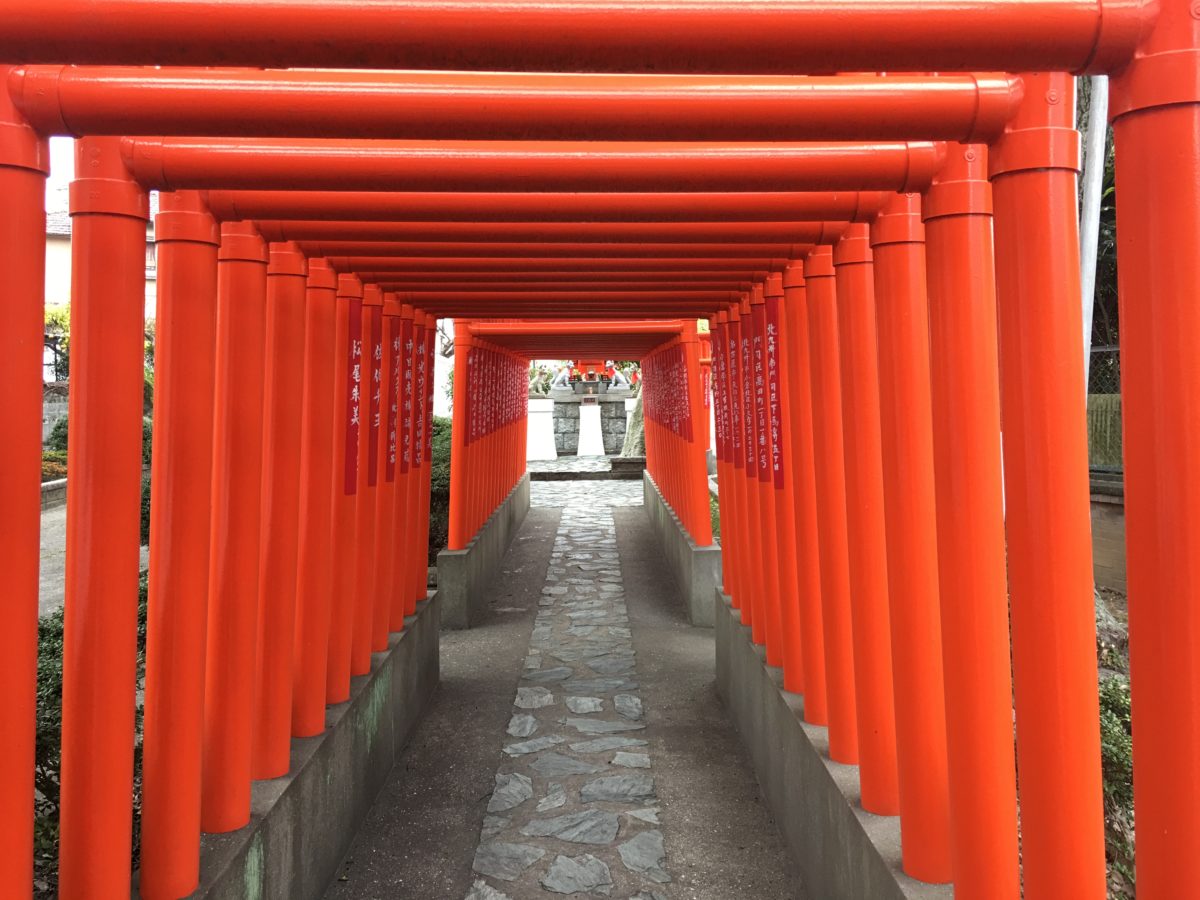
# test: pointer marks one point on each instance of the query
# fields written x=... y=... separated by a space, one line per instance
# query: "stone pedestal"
x=566 y=427
x=566 y=419
x=612 y=425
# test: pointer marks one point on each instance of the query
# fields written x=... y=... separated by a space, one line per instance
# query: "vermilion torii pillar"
x=804 y=498
x=24 y=163
x=108 y=248
x=906 y=433
x=829 y=468
x=1156 y=123
x=318 y=433
x=970 y=527
x=237 y=536
x=187 y=238
x=347 y=426
x=858 y=342
x=278 y=580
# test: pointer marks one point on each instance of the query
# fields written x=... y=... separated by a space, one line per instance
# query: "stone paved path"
x=53 y=569
x=571 y=464
x=574 y=808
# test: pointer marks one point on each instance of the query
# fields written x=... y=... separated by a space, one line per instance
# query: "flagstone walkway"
x=576 y=746
x=574 y=807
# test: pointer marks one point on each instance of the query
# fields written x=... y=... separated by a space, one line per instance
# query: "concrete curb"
x=842 y=851
x=302 y=825
x=54 y=493
x=465 y=575
x=697 y=570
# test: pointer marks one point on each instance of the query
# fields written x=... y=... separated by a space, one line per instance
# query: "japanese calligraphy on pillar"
x=430 y=335
x=376 y=399
x=719 y=385
x=762 y=448
x=419 y=397
x=774 y=401
x=393 y=340
x=354 y=387
x=748 y=415
x=732 y=342
x=406 y=396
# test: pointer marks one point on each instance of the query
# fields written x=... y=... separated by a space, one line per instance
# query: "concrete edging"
x=54 y=493
x=464 y=575
x=302 y=825
x=697 y=569
x=842 y=851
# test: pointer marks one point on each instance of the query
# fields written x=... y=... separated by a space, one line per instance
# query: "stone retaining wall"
x=697 y=569
x=843 y=852
x=464 y=576
x=302 y=824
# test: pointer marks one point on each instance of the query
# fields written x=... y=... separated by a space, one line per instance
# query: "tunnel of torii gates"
x=889 y=269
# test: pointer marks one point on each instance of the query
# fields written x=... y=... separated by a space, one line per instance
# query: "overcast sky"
x=62 y=162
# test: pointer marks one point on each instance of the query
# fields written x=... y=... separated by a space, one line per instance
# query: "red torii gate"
x=1032 y=171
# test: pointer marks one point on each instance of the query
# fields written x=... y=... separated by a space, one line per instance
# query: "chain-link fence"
x=1104 y=408
x=1104 y=374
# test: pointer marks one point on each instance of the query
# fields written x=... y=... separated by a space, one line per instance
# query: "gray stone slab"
x=645 y=855
x=505 y=861
x=612 y=742
x=576 y=875
x=549 y=676
x=493 y=825
x=628 y=705
x=533 y=746
x=631 y=760
x=649 y=814
x=611 y=664
x=511 y=791
x=555 y=797
x=599 y=685
x=551 y=765
x=481 y=890
x=599 y=726
x=522 y=725
x=583 y=705
x=591 y=826
x=630 y=787
x=533 y=697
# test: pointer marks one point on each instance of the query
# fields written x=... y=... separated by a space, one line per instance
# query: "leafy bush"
x=439 y=479
x=147 y=435
x=145 y=529
x=54 y=464
x=1116 y=760
x=715 y=511
x=47 y=748
x=439 y=488
x=58 y=436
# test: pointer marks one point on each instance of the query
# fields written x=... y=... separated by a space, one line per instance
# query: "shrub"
x=1116 y=760
x=147 y=435
x=145 y=530
x=58 y=436
x=54 y=464
x=47 y=748
x=439 y=478
x=714 y=509
x=439 y=488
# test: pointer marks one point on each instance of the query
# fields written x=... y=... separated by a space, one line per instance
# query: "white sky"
x=62 y=163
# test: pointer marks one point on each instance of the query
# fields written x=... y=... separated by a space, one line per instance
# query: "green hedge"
x=439 y=488
x=47 y=750
x=57 y=440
